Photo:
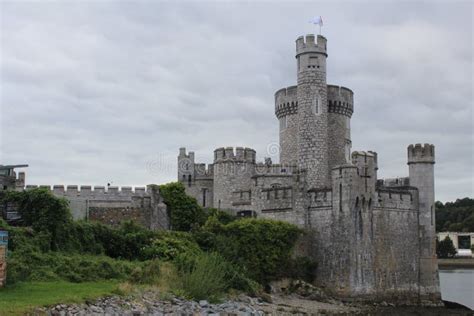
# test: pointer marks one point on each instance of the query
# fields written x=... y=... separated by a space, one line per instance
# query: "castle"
x=370 y=237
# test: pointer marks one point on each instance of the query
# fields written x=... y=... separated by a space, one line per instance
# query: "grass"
x=23 y=297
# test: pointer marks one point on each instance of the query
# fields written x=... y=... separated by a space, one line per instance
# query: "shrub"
x=261 y=247
x=204 y=276
x=28 y=265
x=168 y=245
x=184 y=210
x=149 y=273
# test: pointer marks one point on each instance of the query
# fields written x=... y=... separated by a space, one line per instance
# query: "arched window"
x=190 y=178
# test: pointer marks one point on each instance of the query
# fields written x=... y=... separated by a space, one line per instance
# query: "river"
x=457 y=285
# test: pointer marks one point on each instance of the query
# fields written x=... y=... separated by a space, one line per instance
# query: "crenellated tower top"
x=421 y=153
x=309 y=45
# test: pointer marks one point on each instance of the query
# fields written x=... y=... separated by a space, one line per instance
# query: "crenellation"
x=58 y=188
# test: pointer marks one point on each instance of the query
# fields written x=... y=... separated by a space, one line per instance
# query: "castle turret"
x=421 y=159
x=340 y=109
x=286 y=110
x=232 y=175
x=185 y=166
x=312 y=110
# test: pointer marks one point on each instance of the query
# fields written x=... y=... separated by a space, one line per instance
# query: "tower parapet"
x=286 y=102
x=340 y=100
x=421 y=154
x=239 y=154
x=309 y=45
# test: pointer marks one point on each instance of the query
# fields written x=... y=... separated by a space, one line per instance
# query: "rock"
x=203 y=303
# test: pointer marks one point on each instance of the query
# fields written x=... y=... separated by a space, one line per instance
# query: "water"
x=457 y=285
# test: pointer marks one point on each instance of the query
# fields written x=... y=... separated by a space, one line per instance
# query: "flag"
x=317 y=21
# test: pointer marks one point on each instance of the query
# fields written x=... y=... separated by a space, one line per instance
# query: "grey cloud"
x=99 y=92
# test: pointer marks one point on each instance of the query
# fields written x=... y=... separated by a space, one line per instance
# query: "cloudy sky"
x=96 y=92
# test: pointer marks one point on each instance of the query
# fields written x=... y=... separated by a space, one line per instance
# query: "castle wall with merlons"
x=114 y=205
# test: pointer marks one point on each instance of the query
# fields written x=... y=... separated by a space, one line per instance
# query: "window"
x=317 y=105
x=283 y=123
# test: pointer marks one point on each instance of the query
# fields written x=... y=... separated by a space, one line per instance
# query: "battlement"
x=309 y=45
x=364 y=156
x=286 y=102
x=403 y=198
x=88 y=190
x=394 y=182
x=340 y=100
x=203 y=170
x=182 y=154
x=421 y=153
x=237 y=154
x=320 y=198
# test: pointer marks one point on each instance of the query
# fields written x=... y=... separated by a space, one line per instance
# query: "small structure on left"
x=3 y=257
x=9 y=179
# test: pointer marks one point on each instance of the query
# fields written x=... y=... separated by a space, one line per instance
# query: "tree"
x=445 y=248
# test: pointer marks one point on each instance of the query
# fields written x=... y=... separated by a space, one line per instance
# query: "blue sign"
x=3 y=238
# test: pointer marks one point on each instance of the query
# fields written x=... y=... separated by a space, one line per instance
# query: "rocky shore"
x=151 y=303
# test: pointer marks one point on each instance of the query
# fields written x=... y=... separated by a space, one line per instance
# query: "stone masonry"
x=372 y=238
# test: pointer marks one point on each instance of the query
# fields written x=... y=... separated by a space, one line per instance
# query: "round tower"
x=312 y=110
x=421 y=159
x=233 y=171
x=340 y=109
x=286 y=109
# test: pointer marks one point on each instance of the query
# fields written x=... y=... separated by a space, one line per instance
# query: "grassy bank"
x=25 y=296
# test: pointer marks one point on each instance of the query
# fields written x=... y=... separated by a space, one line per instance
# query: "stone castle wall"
x=114 y=205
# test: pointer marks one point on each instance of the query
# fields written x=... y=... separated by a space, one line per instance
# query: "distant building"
x=461 y=241
x=9 y=179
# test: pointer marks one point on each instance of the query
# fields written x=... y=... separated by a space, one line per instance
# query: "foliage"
x=455 y=216
x=149 y=273
x=205 y=276
x=44 y=212
x=445 y=248
x=30 y=265
x=184 y=210
x=21 y=298
x=169 y=245
x=222 y=217
x=261 y=247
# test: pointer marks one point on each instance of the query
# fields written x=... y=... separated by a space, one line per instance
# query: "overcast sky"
x=107 y=92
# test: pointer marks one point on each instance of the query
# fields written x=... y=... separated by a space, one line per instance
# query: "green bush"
x=205 y=276
x=168 y=245
x=261 y=247
x=185 y=212
x=28 y=265
x=148 y=273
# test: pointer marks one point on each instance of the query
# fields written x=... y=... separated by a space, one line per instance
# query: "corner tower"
x=312 y=118
x=421 y=159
